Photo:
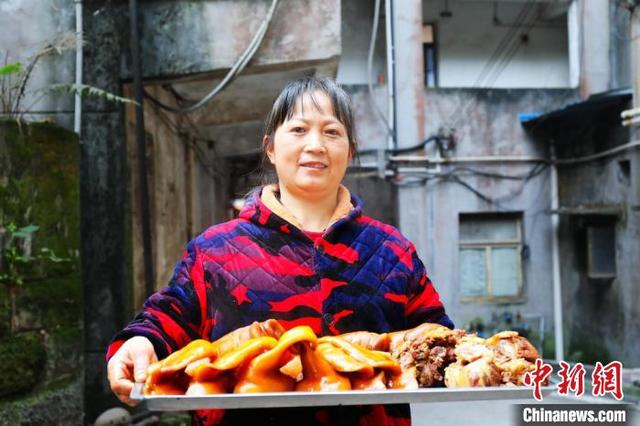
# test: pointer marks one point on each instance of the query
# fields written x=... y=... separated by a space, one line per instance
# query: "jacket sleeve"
x=423 y=303
x=175 y=315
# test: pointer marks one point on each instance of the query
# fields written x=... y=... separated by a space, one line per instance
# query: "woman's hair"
x=284 y=106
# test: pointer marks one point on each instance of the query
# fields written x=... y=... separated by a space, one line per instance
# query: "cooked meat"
x=481 y=372
x=471 y=348
x=293 y=368
x=368 y=340
x=263 y=358
x=508 y=345
x=377 y=382
x=319 y=374
x=230 y=341
x=428 y=348
x=262 y=373
x=513 y=371
x=503 y=359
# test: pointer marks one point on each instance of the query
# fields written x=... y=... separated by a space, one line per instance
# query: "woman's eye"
x=297 y=130
x=332 y=132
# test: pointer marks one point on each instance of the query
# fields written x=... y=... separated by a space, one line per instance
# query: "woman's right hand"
x=129 y=365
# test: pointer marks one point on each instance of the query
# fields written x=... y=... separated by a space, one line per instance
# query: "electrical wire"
x=455 y=177
x=437 y=139
x=498 y=61
x=237 y=67
x=603 y=154
x=189 y=140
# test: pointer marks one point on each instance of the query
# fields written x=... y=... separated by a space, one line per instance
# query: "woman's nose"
x=314 y=142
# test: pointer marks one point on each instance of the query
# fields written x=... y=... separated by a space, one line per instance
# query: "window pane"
x=504 y=271
x=602 y=250
x=488 y=229
x=473 y=273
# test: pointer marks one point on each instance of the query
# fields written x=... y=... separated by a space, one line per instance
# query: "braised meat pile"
x=263 y=357
x=502 y=359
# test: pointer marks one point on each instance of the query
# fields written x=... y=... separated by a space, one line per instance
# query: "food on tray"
x=427 y=349
x=503 y=359
x=263 y=357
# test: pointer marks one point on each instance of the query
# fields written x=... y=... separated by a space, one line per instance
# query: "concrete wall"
x=620 y=46
x=200 y=36
x=187 y=183
x=486 y=124
x=357 y=22
x=27 y=27
x=467 y=40
x=613 y=304
x=491 y=128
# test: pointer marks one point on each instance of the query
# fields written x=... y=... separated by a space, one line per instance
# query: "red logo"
x=607 y=379
x=538 y=377
x=572 y=379
x=604 y=379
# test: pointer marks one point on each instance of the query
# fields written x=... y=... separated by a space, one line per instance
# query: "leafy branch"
x=86 y=90
x=14 y=77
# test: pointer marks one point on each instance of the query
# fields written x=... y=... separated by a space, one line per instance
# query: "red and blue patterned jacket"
x=360 y=274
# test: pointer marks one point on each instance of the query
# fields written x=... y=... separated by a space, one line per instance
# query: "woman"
x=301 y=252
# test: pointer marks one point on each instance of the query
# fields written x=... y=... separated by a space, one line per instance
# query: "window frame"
x=488 y=246
x=591 y=273
x=436 y=61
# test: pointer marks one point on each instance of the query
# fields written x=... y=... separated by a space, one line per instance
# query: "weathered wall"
x=186 y=189
x=39 y=185
x=219 y=31
x=600 y=184
x=27 y=27
x=490 y=128
x=357 y=21
x=379 y=196
x=620 y=45
x=103 y=177
x=467 y=40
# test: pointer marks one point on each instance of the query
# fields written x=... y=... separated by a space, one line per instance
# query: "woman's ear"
x=267 y=143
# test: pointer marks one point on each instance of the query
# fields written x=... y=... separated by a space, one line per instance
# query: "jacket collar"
x=264 y=208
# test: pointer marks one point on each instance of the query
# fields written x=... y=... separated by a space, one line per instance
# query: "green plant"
x=18 y=265
x=14 y=77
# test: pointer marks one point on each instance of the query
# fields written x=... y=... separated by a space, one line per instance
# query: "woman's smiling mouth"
x=314 y=165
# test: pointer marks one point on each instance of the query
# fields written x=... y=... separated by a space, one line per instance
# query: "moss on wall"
x=22 y=358
x=39 y=184
x=57 y=404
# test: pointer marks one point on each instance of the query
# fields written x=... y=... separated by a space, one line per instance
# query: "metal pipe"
x=391 y=82
x=77 y=111
x=136 y=64
x=631 y=121
x=555 y=258
x=497 y=159
x=629 y=113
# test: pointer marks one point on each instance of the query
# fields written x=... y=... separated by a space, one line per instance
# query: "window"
x=429 y=51
x=601 y=246
x=490 y=258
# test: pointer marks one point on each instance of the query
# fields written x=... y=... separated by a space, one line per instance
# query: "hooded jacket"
x=359 y=274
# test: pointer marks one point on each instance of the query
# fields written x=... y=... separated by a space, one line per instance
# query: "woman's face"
x=310 y=151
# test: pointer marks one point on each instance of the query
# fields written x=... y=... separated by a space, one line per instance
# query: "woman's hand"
x=129 y=365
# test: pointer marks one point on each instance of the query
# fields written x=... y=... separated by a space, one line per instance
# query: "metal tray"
x=310 y=399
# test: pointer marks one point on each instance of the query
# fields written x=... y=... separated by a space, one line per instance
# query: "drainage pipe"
x=136 y=68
